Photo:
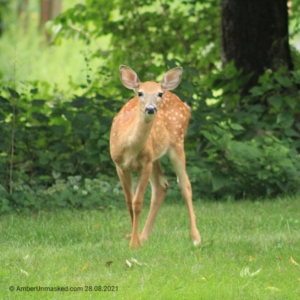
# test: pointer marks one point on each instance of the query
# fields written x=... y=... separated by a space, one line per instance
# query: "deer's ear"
x=129 y=78
x=172 y=79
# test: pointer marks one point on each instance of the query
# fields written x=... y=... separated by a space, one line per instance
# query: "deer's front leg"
x=137 y=203
x=159 y=184
x=126 y=181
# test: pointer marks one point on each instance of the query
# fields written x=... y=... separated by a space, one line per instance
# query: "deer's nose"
x=150 y=109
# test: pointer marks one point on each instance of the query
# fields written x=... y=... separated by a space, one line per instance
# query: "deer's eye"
x=160 y=94
x=140 y=94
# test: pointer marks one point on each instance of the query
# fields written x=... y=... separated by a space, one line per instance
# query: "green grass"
x=72 y=248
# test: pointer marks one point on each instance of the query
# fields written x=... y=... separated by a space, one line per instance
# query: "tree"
x=146 y=35
x=255 y=36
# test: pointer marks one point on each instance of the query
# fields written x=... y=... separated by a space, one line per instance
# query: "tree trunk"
x=50 y=9
x=255 y=36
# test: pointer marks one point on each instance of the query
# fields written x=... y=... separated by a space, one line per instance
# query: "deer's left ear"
x=172 y=79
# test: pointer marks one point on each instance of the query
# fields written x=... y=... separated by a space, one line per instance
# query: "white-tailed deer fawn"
x=150 y=125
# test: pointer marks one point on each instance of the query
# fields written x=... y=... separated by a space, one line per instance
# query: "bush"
x=74 y=192
x=50 y=133
x=235 y=147
x=247 y=147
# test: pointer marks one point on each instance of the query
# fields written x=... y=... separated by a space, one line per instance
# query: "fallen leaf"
x=108 y=263
x=84 y=268
x=24 y=272
x=135 y=261
x=251 y=258
x=255 y=273
x=293 y=262
x=273 y=288
x=246 y=272
x=128 y=263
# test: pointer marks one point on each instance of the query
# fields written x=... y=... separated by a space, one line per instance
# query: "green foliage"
x=237 y=146
x=42 y=134
x=54 y=134
x=146 y=35
x=100 y=193
x=247 y=146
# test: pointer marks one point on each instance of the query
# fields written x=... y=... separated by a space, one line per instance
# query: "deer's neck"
x=140 y=132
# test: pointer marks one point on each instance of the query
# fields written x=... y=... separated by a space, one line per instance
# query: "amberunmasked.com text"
x=89 y=288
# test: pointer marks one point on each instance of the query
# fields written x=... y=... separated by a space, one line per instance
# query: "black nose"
x=150 y=110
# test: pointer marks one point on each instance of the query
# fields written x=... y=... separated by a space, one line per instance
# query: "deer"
x=150 y=125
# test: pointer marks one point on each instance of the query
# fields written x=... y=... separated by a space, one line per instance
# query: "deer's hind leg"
x=177 y=157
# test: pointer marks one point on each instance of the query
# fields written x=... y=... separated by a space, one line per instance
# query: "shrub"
x=54 y=148
x=247 y=146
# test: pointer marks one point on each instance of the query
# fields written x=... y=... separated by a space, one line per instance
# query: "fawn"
x=150 y=125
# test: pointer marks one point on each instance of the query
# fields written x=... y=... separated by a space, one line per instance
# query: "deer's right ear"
x=129 y=78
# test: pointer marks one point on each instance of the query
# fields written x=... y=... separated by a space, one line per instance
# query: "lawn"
x=250 y=250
